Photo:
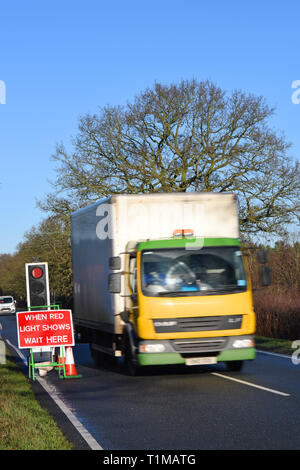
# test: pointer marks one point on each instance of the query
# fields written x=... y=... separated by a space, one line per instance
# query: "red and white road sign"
x=45 y=328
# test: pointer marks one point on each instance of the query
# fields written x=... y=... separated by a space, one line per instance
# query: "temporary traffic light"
x=37 y=284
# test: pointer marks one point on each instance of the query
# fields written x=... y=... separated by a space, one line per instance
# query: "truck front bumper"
x=233 y=350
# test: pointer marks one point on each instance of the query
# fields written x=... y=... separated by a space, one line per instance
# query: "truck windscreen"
x=180 y=272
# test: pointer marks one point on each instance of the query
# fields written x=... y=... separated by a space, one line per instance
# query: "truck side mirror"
x=115 y=263
x=265 y=276
x=114 y=283
x=262 y=256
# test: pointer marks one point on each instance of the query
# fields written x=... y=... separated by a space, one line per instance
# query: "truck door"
x=133 y=309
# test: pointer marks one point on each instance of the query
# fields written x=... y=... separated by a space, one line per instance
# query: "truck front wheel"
x=234 y=366
x=130 y=359
x=97 y=356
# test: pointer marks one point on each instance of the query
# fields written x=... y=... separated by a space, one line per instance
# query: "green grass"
x=24 y=424
x=282 y=346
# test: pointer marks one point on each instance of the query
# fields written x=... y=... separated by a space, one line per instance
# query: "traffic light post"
x=38 y=296
x=37 y=285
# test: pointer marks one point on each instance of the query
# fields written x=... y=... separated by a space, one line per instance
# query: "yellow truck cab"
x=161 y=279
x=192 y=306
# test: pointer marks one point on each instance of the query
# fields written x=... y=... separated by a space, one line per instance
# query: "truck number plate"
x=193 y=361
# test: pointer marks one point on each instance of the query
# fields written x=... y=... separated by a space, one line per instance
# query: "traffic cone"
x=70 y=369
x=61 y=358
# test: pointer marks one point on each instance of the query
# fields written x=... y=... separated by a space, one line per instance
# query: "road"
x=175 y=408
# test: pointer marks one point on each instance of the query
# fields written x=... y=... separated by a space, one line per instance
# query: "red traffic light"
x=37 y=273
x=37 y=284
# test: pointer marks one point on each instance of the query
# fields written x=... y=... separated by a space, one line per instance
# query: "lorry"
x=7 y=304
x=163 y=279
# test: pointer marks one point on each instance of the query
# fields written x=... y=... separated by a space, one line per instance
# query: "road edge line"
x=89 y=439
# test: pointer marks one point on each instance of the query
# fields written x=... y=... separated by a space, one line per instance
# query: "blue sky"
x=61 y=59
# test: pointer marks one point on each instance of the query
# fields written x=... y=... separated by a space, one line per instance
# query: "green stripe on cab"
x=187 y=241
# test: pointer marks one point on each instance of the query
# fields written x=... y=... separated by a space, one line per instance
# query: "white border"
x=56 y=345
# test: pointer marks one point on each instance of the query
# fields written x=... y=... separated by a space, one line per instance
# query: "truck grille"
x=179 y=325
x=199 y=345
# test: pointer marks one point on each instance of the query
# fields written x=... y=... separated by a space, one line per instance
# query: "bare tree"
x=190 y=136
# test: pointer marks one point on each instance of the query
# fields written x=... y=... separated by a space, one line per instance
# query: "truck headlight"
x=152 y=348
x=243 y=343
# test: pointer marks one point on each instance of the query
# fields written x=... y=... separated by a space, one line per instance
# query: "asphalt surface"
x=171 y=408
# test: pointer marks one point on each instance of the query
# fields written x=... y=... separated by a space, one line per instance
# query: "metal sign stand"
x=59 y=364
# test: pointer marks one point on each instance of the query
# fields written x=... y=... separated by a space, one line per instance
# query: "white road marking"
x=286 y=356
x=94 y=445
x=89 y=439
x=271 y=390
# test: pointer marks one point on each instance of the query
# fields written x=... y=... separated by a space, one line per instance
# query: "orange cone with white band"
x=61 y=358
x=70 y=369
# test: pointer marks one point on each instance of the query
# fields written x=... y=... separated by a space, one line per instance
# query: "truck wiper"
x=204 y=292
x=231 y=288
x=177 y=293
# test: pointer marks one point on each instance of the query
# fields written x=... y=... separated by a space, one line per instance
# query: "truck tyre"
x=131 y=364
x=101 y=359
x=97 y=356
x=234 y=366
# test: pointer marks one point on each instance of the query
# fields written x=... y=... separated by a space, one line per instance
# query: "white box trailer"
x=114 y=225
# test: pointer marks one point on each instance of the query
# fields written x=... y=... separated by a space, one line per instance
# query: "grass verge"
x=281 y=346
x=24 y=424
